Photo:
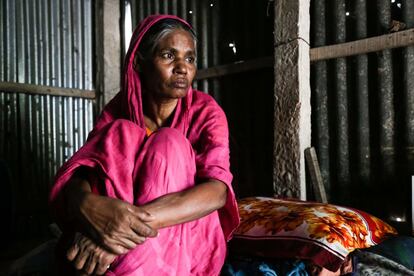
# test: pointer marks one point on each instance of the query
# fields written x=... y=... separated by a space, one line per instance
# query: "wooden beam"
x=13 y=87
x=363 y=46
x=234 y=68
x=315 y=175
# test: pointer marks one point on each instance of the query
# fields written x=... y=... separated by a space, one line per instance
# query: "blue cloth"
x=244 y=266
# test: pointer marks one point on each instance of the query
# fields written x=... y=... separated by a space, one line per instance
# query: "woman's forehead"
x=177 y=39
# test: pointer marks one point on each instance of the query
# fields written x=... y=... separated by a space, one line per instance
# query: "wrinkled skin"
x=87 y=257
x=116 y=224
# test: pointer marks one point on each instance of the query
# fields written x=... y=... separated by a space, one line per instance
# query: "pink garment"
x=138 y=169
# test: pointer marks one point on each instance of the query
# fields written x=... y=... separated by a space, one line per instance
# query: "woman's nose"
x=180 y=67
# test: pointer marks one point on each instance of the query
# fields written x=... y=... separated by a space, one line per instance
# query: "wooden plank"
x=357 y=47
x=363 y=46
x=315 y=174
x=234 y=68
x=13 y=87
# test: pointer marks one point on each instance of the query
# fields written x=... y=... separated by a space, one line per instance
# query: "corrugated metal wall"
x=45 y=43
x=227 y=31
x=363 y=107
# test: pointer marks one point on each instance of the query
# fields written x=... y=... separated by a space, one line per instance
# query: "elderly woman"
x=150 y=191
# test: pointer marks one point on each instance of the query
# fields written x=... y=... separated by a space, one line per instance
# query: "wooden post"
x=315 y=175
x=292 y=97
x=108 y=49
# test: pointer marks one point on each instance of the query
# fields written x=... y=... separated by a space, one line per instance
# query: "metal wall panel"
x=362 y=109
x=46 y=43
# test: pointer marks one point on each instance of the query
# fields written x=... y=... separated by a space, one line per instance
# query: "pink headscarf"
x=128 y=103
x=197 y=116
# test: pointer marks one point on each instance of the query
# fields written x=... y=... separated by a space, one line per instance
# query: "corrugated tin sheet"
x=46 y=43
x=362 y=112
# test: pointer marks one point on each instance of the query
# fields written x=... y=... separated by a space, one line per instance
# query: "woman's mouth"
x=181 y=83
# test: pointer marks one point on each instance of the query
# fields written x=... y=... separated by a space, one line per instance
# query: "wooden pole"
x=315 y=175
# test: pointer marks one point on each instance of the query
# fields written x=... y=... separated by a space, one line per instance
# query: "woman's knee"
x=169 y=135
x=170 y=141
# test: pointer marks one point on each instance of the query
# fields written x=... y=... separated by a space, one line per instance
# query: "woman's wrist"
x=154 y=224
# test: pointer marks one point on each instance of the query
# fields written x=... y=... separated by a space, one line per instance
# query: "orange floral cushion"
x=322 y=233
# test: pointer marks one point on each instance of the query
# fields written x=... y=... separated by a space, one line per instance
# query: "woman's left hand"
x=89 y=258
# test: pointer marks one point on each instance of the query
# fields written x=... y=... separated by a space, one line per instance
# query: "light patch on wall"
x=127 y=25
x=233 y=46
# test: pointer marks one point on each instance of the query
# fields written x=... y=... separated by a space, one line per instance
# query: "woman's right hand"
x=118 y=225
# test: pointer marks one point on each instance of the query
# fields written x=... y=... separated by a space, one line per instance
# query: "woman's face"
x=171 y=71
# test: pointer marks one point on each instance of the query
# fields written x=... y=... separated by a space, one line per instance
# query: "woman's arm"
x=188 y=205
x=168 y=210
x=120 y=226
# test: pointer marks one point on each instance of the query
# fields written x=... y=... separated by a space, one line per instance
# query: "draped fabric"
x=138 y=169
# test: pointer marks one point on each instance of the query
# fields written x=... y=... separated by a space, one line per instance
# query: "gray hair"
x=156 y=33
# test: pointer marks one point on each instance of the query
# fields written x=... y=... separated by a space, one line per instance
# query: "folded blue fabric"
x=244 y=266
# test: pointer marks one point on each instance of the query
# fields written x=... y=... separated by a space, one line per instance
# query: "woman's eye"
x=190 y=59
x=168 y=56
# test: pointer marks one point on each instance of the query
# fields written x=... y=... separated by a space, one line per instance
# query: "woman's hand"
x=87 y=257
x=120 y=226
x=117 y=225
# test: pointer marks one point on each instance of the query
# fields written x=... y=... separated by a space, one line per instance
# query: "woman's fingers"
x=122 y=245
x=143 y=230
x=119 y=246
x=90 y=264
x=80 y=260
x=89 y=258
x=138 y=222
x=101 y=268
x=72 y=252
x=139 y=239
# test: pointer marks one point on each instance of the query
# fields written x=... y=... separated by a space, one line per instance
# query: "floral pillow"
x=322 y=233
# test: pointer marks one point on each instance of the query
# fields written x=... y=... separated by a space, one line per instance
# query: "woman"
x=150 y=191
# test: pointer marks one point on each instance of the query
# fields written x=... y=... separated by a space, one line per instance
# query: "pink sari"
x=138 y=169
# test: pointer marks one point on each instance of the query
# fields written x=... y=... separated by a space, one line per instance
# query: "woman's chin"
x=171 y=94
x=179 y=93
